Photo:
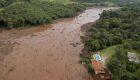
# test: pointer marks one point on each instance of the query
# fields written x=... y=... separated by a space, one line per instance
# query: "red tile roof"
x=97 y=66
x=100 y=72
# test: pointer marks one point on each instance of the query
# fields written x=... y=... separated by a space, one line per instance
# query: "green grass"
x=137 y=73
x=1 y=9
x=108 y=51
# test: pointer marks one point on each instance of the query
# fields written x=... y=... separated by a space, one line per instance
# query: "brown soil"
x=46 y=52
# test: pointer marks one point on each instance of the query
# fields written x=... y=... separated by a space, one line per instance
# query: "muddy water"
x=50 y=54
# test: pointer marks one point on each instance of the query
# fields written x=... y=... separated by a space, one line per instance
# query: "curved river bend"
x=50 y=54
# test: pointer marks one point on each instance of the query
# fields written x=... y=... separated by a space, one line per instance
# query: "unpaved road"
x=43 y=53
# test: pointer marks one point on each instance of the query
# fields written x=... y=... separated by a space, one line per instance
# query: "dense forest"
x=120 y=28
x=19 y=13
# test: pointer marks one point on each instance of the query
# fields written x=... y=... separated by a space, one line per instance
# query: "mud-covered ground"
x=46 y=52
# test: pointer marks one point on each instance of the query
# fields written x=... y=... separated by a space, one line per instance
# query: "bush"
x=90 y=68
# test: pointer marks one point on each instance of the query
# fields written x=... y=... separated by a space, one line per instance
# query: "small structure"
x=101 y=73
x=133 y=57
x=97 y=57
x=97 y=66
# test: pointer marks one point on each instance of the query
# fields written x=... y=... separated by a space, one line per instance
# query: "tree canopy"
x=118 y=27
x=18 y=13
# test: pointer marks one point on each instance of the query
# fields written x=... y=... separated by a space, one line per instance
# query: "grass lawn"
x=108 y=51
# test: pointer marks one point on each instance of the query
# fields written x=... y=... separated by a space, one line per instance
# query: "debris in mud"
x=75 y=44
x=33 y=35
x=50 y=55
x=5 y=48
x=11 y=69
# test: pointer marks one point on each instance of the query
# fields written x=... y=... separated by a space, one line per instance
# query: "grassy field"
x=108 y=51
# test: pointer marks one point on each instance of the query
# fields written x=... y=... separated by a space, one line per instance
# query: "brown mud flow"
x=46 y=54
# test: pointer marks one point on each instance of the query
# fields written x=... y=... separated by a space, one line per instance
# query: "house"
x=133 y=57
x=98 y=67
x=101 y=73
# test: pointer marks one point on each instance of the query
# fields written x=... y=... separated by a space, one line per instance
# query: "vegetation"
x=115 y=27
x=108 y=51
x=18 y=13
x=120 y=27
x=121 y=68
x=119 y=32
x=110 y=2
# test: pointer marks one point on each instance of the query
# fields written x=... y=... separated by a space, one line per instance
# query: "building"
x=132 y=57
x=101 y=73
x=97 y=66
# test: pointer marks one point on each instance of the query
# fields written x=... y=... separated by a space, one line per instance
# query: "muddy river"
x=46 y=52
